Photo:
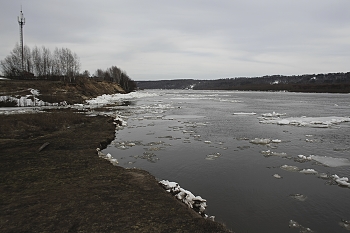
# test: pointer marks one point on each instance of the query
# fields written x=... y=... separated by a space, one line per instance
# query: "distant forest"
x=321 y=83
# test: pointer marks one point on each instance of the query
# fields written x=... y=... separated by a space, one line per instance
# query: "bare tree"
x=12 y=64
x=40 y=61
x=37 y=61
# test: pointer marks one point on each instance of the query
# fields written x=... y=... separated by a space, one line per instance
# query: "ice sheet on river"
x=316 y=122
x=330 y=161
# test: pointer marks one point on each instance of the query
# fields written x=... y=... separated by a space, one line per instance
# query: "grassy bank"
x=57 y=91
x=66 y=187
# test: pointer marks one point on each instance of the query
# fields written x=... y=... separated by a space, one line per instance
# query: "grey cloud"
x=223 y=38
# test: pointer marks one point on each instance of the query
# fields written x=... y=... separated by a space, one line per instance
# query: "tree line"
x=115 y=74
x=331 y=83
x=40 y=62
x=61 y=64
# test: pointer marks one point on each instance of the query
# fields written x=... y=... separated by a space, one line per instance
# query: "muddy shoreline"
x=66 y=187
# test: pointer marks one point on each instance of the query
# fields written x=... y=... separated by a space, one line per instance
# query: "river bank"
x=66 y=187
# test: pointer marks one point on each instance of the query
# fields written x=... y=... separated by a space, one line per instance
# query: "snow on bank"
x=30 y=100
x=194 y=202
x=107 y=156
x=110 y=99
x=315 y=122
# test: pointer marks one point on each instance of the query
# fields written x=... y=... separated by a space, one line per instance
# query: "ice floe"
x=299 y=197
x=213 y=156
x=149 y=156
x=290 y=168
x=194 y=202
x=315 y=122
x=269 y=153
x=302 y=229
x=273 y=114
x=330 y=161
x=304 y=158
x=119 y=121
x=342 y=181
x=262 y=141
x=277 y=176
x=309 y=171
x=345 y=224
x=244 y=113
x=276 y=140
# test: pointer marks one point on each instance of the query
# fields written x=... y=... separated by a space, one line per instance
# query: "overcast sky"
x=197 y=39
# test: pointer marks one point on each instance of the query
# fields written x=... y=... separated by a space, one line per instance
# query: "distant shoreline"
x=313 y=83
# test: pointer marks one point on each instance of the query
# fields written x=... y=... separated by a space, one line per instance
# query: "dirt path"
x=66 y=187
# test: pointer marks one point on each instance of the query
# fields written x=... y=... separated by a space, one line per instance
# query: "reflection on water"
x=255 y=177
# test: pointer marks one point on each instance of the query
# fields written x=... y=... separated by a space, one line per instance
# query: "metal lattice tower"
x=21 y=22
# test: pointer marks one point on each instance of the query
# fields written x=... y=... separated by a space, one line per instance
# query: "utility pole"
x=21 y=22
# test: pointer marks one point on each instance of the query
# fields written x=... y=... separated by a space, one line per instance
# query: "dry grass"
x=37 y=124
x=58 y=91
x=66 y=187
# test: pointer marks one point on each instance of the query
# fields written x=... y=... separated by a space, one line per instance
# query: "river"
x=260 y=159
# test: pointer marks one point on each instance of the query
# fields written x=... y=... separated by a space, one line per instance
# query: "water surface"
x=196 y=139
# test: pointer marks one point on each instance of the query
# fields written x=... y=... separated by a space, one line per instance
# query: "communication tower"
x=21 y=22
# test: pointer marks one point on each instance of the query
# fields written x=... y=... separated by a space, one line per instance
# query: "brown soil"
x=74 y=92
x=66 y=187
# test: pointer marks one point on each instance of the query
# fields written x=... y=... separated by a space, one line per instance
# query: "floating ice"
x=118 y=120
x=303 y=157
x=269 y=153
x=330 y=161
x=345 y=224
x=260 y=141
x=213 y=156
x=316 y=122
x=309 y=171
x=273 y=114
x=290 y=168
x=299 y=197
x=342 y=181
x=149 y=156
x=194 y=202
x=277 y=176
x=323 y=175
x=244 y=113
x=302 y=229
x=276 y=140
